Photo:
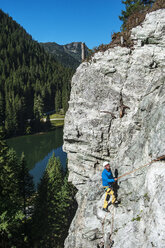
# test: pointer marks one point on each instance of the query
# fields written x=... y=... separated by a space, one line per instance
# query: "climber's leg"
x=107 y=197
x=113 y=196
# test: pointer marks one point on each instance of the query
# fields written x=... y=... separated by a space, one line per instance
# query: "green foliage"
x=25 y=183
x=30 y=79
x=138 y=218
x=28 y=219
x=65 y=97
x=12 y=207
x=10 y=213
x=58 y=123
x=132 y=6
x=61 y=55
x=55 y=206
x=146 y=197
x=38 y=107
x=58 y=101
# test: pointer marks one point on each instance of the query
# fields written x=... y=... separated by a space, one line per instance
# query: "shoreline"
x=37 y=133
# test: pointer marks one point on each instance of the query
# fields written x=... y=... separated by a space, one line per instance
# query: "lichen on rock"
x=94 y=131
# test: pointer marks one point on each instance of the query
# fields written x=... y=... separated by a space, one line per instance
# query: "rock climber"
x=108 y=181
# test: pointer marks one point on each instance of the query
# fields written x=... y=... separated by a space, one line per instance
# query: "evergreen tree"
x=26 y=187
x=15 y=189
x=11 y=214
x=57 y=101
x=132 y=6
x=40 y=217
x=29 y=79
x=2 y=112
x=65 y=98
x=38 y=107
x=68 y=192
x=57 y=208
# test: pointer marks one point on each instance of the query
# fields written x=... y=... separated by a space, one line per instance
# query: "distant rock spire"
x=83 y=51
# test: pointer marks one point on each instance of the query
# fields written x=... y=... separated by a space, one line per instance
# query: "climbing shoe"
x=111 y=243
x=115 y=204
x=106 y=210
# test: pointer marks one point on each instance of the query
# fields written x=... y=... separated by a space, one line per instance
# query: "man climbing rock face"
x=108 y=181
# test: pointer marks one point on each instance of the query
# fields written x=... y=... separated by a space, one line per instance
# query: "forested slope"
x=31 y=81
x=29 y=218
x=60 y=55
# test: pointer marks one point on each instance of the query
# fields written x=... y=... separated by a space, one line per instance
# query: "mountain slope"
x=31 y=80
x=69 y=55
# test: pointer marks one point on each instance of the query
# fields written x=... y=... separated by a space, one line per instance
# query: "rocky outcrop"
x=68 y=55
x=74 y=49
x=98 y=127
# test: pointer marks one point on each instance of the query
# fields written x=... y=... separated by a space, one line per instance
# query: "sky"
x=66 y=21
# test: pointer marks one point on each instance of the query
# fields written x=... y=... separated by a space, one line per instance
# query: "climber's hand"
x=115 y=179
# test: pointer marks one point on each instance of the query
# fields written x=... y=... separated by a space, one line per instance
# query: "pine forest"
x=32 y=82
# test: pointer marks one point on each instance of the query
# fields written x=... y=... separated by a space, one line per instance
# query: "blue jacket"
x=107 y=178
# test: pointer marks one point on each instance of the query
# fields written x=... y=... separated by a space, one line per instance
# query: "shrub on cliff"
x=132 y=16
x=132 y=7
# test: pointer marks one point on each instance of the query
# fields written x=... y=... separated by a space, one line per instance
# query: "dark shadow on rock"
x=101 y=245
x=115 y=185
x=116 y=173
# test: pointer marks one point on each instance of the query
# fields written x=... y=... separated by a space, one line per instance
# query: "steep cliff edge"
x=136 y=78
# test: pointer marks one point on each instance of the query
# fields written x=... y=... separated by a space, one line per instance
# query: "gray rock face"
x=94 y=132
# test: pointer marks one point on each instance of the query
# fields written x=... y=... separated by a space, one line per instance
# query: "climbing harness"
x=112 y=207
x=141 y=167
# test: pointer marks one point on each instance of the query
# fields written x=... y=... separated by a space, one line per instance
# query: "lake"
x=38 y=148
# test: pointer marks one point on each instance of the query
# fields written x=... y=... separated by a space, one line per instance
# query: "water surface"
x=38 y=148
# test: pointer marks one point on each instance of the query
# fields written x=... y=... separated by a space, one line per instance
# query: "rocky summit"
x=69 y=55
x=117 y=113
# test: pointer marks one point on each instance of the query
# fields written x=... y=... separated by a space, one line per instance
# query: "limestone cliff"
x=134 y=78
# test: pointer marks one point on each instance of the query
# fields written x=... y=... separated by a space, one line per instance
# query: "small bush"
x=138 y=218
x=134 y=20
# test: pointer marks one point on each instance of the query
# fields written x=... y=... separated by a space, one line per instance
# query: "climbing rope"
x=112 y=225
x=141 y=167
x=128 y=173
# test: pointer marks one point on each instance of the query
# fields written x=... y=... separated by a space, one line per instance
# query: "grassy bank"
x=57 y=120
x=57 y=116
